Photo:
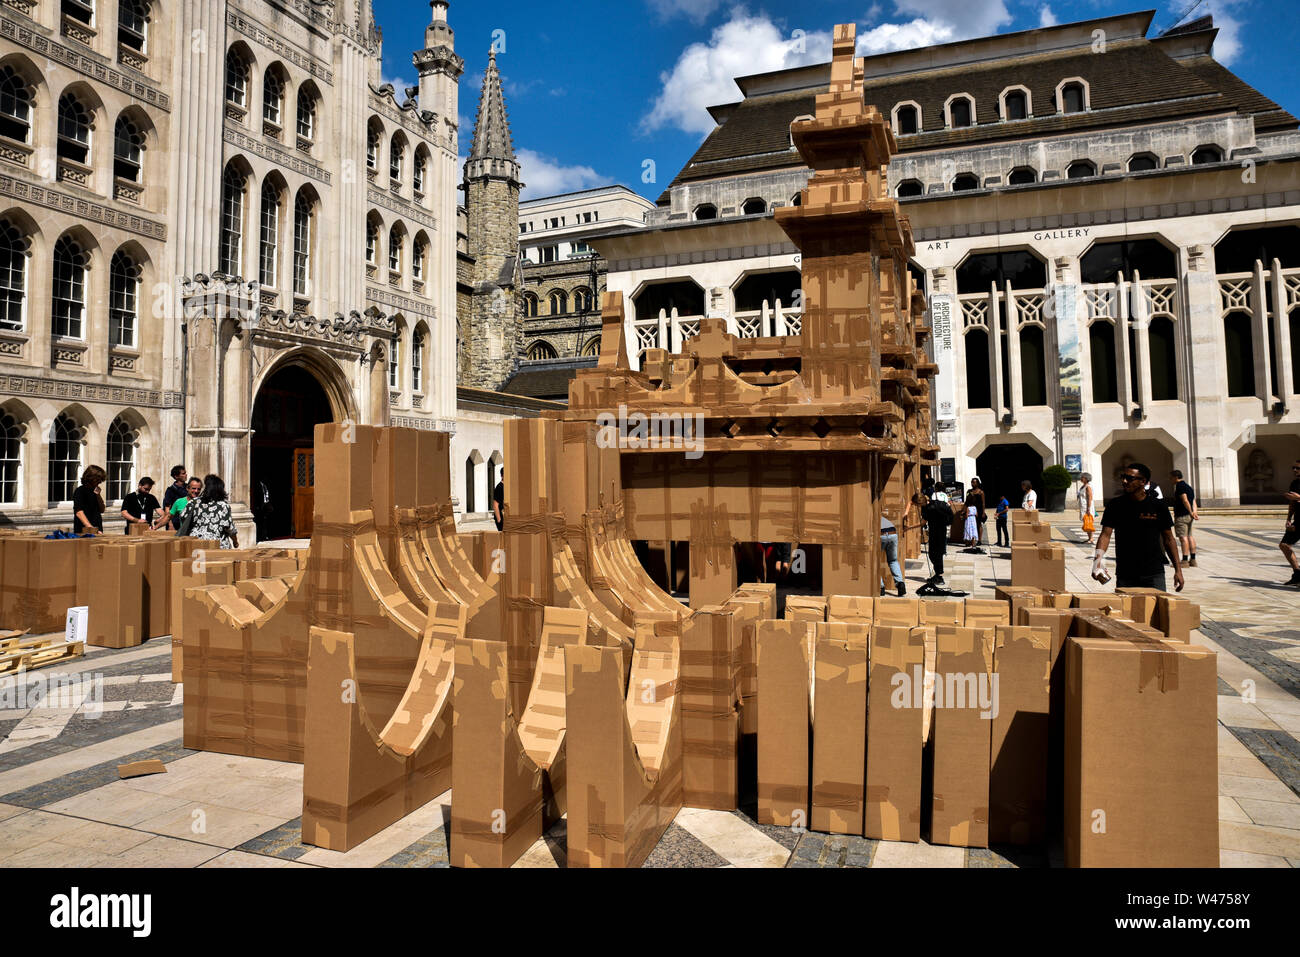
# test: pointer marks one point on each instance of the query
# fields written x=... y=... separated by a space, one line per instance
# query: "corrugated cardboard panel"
x=784 y=722
x=1141 y=759
x=962 y=738
x=894 y=718
x=1038 y=566
x=117 y=609
x=805 y=608
x=1019 y=763
x=840 y=728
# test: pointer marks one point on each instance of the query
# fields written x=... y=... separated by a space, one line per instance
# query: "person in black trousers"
x=88 y=504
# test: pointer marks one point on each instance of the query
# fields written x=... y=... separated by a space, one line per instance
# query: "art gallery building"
x=1107 y=225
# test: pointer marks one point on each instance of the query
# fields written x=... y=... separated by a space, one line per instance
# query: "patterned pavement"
x=61 y=803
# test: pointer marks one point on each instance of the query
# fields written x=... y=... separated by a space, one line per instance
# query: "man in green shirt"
x=192 y=492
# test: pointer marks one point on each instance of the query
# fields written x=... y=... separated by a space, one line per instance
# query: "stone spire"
x=439 y=67
x=493 y=151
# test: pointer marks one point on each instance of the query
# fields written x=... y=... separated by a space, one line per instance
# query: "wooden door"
x=304 y=491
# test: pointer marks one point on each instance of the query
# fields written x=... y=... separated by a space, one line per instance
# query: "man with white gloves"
x=1146 y=534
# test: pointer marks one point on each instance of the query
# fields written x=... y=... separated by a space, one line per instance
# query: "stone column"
x=1282 y=331
x=1016 y=369
x=1259 y=333
x=995 y=351
x=1211 y=461
x=1123 y=376
x=1141 y=324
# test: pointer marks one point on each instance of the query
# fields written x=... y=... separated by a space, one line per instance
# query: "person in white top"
x=1087 y=506
x=1030 y=503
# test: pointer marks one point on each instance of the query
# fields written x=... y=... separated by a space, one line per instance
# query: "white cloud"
x=697 y=11
x=704 y=75
x=545 y=176
x=1046 y=18
x=1227 y=45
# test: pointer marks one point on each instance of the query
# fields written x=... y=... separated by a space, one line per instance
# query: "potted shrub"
x=1056 y=483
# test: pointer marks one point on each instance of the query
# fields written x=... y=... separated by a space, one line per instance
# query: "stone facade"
x=160 y=288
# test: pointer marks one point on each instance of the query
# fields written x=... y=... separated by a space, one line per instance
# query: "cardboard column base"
x=840 y=728
x=710 y=704
x=959 y=754
x=625 y=760
x=1018 y=767
x=784 y=722
x=357 y=778
x=894 y=745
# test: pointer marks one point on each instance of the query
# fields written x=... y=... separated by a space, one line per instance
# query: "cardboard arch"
x=357 y=778
x=624 y=751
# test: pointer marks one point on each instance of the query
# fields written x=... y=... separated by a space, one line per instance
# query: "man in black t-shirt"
x=140 y=507
x=499 y=505
x=1146 y=534
x=1185 y=513
x=1292 y=534
x=177 y=490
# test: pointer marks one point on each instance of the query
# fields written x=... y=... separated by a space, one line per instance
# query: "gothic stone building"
x=1107 y=224
x=217 y=228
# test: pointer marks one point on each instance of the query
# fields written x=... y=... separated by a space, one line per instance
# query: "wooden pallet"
x=19 y=653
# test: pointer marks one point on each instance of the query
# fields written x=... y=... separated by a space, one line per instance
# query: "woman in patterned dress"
x=211 y=514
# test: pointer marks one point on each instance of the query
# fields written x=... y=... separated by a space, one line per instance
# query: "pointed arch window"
x=233 y=185
x=15 y=106
x=133 y=24
x=66 y=438
x=75 y=124
x=396 y=244
x=124 y=300
x=419 y=253
x=70 y=263
x=128 y=151
x=269 y=236
x=396 y=159
x=237 y=70
x=395 y=366
x=421 y=164
x=273 y=97
x=306 y=114
x=372 y=243
x=121 y=461
x=15 y=249
x=11 y=458
x=302 y=229
x=417 y=361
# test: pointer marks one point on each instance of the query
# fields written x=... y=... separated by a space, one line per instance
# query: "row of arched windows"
x=134 y=22
x=66 y=444
x=272 y=208
x=582 y=302
x=276 y=93
x=419 y=357
x=1015 y=103
x=1079 y=169
x=754 y=206
x=77 y=120
x=69 y=265
x=398 y=255
x=398 y=148
x=542 y=350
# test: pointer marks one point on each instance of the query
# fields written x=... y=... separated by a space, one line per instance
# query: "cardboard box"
x=959 y=754
x=840 y=728
x=1172 y=615
x=1141 y=754
x=805 y=608
x=39 y=583
x=1018 y=764
x=1116 y=604
x=1021 y=516
x=895 y=709
x=1032 y=533
x=986 y=613
x=851 y=609
x=1038 y=566
x=117 y=595
x=784 y=722
x=948 y=612
x=710 y=703
x=898 y=611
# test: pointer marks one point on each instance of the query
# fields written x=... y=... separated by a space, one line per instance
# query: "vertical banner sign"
x=1068 y=356
x=945 y=357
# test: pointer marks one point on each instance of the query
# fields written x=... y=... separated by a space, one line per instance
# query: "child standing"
x=1004 y=511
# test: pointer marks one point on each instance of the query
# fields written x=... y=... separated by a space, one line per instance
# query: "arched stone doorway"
x=290 y=403
x=1002 y=468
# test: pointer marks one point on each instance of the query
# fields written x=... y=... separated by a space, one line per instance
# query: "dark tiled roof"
x=1132 y=82
x=547 y=381
x=1268 y=115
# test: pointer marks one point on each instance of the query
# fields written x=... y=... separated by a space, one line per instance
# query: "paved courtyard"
x=62 y=805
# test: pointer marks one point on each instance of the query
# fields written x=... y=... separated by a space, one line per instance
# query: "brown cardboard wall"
x=894 y=720
x=840 y=728
x=784 y=722
x=959 y=755
x=1019 y=760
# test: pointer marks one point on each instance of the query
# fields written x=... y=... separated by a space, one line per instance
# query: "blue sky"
x=597 y=89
